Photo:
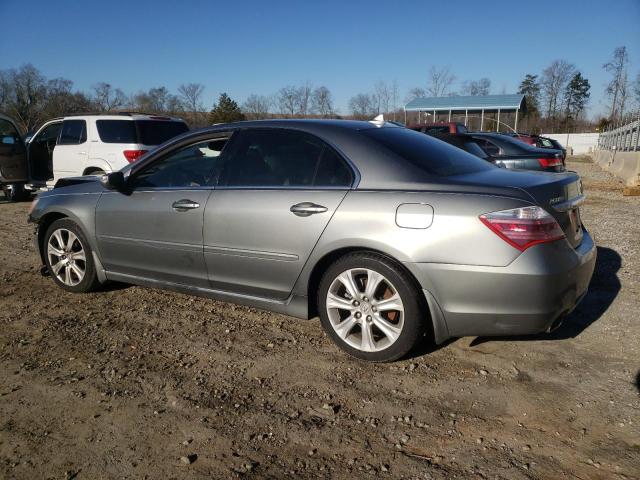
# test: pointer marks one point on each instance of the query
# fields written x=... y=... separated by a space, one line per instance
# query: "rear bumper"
x=528 y=296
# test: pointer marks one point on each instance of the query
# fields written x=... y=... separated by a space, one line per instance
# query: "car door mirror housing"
x=114 y=181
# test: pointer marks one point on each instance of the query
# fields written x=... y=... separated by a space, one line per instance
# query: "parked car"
x=539 y=141
x=78 y=145
x=439 y=128
x=506 y=152
x=385 y=233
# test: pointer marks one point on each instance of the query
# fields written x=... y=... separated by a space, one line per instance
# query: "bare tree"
x=26 y=92
x=415 y=92
x=439 y=81
x=322 y=102
x=108 y=98
x=190 y=95
x=636 y=90
x=157 y=100
x=304 y=93
x=617 y=87
x=287 y=98
x=382 y=94
x=395 y=97
x=257 y=107
x=61 y=100
x=553 y=83
x=362 y=106
x=477 y=87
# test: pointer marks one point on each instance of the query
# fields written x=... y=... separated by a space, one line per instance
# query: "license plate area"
x=576 y=223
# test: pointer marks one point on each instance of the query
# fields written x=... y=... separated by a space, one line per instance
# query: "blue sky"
x=244 y=47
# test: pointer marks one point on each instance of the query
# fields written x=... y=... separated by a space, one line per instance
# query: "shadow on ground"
x=603 y=290
x=638 y=381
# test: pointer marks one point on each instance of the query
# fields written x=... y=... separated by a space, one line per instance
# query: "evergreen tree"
x=530 y=88
x=576 y=95
x=225 y=111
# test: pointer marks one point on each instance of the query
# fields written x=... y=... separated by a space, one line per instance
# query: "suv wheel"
x=69 y=258
x=15 y=192
x=370 y=307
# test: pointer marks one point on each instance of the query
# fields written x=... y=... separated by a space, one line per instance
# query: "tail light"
x=133 y=155
x=523 y=227
x=550 y=162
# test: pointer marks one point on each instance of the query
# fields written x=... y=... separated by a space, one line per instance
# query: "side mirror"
x=113 y=181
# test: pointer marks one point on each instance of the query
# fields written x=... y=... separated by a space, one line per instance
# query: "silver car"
x=387 y=234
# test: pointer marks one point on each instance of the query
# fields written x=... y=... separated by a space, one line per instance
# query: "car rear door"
x=13 y=154
x=72 y=149
x=278 y=191
x=154 y=229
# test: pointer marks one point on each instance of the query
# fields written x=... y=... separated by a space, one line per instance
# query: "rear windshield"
x=427 y=153
x=145 y=132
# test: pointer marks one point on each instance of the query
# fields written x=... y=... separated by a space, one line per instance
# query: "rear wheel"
x=68 y=257
x=15 y=192
x=370 y=307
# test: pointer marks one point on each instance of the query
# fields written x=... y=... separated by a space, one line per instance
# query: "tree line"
x=556 y=98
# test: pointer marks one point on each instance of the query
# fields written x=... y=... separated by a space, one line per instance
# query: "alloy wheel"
x=365 y=309
x=66 y=256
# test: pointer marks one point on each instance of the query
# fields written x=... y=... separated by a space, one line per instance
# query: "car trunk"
x=555 y=192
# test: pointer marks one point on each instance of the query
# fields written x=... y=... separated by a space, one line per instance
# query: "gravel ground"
x=139 y=383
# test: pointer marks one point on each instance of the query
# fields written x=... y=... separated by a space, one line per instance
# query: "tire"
x=95 y=171
x=15 y=192
x=382 y=326
x=65 y=243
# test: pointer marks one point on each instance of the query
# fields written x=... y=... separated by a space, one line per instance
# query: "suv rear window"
x=425 y=152
x=145 y=132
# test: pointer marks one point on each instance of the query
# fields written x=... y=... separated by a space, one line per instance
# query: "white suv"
x=86 y=145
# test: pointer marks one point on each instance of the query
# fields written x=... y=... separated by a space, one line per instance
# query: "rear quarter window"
x=427 y=153
x=145 y=132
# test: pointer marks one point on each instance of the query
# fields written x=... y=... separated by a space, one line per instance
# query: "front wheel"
x=370 y=307
x=68 y=257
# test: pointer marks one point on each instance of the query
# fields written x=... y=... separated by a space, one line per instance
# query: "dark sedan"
x=507 y=152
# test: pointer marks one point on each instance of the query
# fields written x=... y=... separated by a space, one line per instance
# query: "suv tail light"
x=133 y=155
x=550 y=162
x=523 y=227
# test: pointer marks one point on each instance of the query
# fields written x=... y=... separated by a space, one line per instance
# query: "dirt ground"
x=139 y=383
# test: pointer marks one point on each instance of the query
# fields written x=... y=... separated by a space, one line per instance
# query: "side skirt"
x=295 y=305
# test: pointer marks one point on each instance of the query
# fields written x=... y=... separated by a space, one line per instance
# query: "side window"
x=49 y=134
x=74 y=132
x=282 y=158
x=332 y=171
x=197 y=165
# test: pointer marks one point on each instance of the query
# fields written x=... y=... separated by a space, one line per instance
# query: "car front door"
x=72 y=149
x=153 y=229
x=278 y=190
x=13 y=154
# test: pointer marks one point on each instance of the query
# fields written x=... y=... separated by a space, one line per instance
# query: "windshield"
x=427 y=153
x=145 y=132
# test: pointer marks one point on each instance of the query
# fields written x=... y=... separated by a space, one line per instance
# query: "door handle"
x=305 y=209
x=184 y=205
x=82 y=153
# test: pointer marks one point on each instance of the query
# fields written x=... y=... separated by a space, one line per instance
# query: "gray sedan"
x=386 y=234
